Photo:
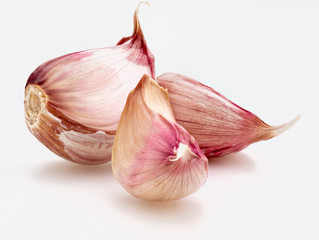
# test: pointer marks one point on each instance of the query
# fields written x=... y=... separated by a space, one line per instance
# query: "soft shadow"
x=62 y=171
x=172 y=212
x=230 y=164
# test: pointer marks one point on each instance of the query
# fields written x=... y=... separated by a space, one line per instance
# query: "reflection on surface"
x=171 y=212
x=232 y=163
x=61 y=171
x=185 y=211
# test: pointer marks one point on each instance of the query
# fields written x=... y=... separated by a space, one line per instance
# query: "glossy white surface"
x=263 y=56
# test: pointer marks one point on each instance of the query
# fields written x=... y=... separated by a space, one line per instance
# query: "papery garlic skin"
x=153 y=157
x=219 y=126
x=85 y=93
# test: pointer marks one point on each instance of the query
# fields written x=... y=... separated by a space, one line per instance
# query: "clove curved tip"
x=142 y=2
x=137 y=31
x=137 y=26
x=277 y=130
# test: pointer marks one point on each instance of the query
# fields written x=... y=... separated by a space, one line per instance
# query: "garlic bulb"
x=218 y=125
x=73 y=103
x=153 y=157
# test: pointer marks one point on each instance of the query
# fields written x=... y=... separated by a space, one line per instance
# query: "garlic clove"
x=219 y=126
x=153 y=157
x=73 y=103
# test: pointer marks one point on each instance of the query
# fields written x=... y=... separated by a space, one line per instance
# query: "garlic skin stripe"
x=219 y=126
x=153 y=157
x=73 y=103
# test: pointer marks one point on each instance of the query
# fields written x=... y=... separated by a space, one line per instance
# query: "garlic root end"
x=34 y=103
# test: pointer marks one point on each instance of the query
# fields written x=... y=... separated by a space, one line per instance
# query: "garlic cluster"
x=96 y=105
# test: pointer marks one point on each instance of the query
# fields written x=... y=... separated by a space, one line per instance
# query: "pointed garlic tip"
x=137 y=31
x=137 y=40
x=34 y=103
x=273 y=131
x=137 y=26
x=156 y=97
x=153 y=157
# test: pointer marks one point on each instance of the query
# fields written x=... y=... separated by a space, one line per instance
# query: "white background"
x=263 y=55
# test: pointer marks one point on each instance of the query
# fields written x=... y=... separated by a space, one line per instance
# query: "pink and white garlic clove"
x=219 y=126
x=153 y=157
x=73 y=103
